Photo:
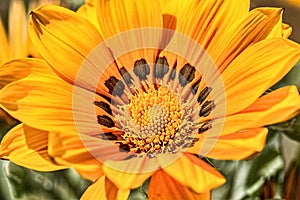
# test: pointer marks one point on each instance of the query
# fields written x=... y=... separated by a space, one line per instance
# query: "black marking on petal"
x=179 y=143
x=195 y=86
x=141 y=69
x=161 y=67
x=104 y=106
x=106 y=98
x=206 y=108
x=109 y=136
x=205 y=127
x=124 y=147
x=38 y=21
x=187 y=145
x=105 y=121
x=115 y=86
x=187 y=74
x=126 y=76
x=204 y=94
x=173 y=72
x=150 y=155
x=131 y=156
x=192 y=139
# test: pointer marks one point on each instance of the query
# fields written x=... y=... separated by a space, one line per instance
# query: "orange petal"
x=164 y=187
x=104 y=189
x=64 y=39
x=138 y=14
x=277 y=106
x=239 y=145
x=258 y=25
x=68 y=149
x=255 y=70
x=88 y=10
x=27 y=147
x=4 y=47
x=286 y=30
x=203 y=21
x=34 y=95
x=127 y=174
x=194 y=173
x=18 y=35
x=138 y=37
x=278 y=28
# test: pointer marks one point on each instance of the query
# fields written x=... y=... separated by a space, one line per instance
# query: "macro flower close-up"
x=143 y=94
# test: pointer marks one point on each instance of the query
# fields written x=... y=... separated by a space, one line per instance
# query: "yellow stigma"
x=157 y=114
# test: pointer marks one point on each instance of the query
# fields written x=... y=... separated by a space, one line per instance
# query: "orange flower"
x=144 y=89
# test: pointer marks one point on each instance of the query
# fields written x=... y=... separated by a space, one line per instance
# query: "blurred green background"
x=272 y=174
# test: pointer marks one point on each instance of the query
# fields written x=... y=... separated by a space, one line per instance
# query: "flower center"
x=157 y=116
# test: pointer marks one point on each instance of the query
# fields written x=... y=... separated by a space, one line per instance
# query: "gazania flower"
x=138 y=89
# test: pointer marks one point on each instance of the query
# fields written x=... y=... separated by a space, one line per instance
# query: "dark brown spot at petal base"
x=108 y=136
x=126 y=76
x=104 y=106
x=187 y=74
x=141 y=69
x=105 y=121
x=204 y=94
x=161 y=67
x=205 y=127
x=115 y=86
x=124 y=148
x=206 y=108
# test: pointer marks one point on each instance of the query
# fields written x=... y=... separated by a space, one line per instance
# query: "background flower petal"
x=35 y=95
x=28 y=147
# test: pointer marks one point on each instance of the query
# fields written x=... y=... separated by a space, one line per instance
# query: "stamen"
x=156 y=114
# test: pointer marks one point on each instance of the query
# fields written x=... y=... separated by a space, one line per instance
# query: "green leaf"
x=6 y=123
x=246 y=178
x=290 y=128
x=292 y=78
x=26 y=184
x=140 y=193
